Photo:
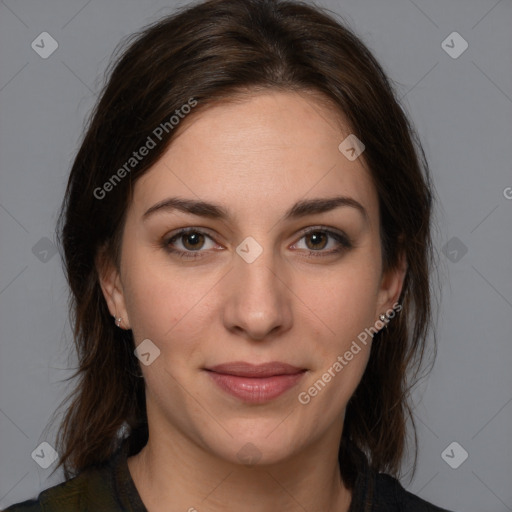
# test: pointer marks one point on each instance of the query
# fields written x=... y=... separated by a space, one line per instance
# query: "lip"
x=255 y=383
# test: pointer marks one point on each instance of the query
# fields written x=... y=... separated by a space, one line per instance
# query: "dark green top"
x=110 y=488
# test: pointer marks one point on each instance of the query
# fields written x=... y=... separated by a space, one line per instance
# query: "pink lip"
x=255 y=383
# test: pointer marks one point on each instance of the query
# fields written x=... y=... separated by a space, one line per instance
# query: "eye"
x=192 y=240
x=317 y=240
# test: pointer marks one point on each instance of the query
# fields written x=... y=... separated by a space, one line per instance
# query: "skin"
x=256 y=157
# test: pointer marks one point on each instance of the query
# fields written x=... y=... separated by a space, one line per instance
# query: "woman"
x=252 y=208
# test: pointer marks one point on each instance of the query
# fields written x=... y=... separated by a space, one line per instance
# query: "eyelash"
x=343 y=240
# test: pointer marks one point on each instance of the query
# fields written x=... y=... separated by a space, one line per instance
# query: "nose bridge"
x=256 y=272
x=258 y=302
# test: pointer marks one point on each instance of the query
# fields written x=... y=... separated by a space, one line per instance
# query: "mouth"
x=255 y=383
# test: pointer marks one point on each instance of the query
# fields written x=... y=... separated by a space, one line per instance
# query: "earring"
x=383 y=318
x=118 y=321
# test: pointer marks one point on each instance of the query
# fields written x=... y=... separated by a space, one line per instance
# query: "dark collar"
x=123 y=485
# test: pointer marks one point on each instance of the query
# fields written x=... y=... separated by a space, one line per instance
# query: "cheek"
x=165 y=305
x=344 y=300
x=339 y=342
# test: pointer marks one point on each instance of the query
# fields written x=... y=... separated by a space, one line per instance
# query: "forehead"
x=257 y=157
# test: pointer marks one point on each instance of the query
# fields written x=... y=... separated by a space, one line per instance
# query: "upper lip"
x=243 y=369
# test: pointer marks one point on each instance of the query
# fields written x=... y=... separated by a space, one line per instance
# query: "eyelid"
x=320 y=227
x=183 y=231
x=338 y=235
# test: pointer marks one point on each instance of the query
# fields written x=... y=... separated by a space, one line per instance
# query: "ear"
x=391 y=285
x=111 y=286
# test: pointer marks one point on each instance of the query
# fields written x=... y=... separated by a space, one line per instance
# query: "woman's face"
x=278 y=280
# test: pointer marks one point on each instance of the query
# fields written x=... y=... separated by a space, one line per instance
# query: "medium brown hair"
x=212 y=51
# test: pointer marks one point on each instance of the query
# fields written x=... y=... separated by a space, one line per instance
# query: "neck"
x=180 y=474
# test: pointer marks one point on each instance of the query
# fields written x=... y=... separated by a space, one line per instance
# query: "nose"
x=258 y=300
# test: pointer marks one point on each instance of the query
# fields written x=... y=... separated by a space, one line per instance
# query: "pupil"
x=315 y=237
x=190 y=239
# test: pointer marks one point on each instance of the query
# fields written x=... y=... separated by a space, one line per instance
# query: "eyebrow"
x=215 y=211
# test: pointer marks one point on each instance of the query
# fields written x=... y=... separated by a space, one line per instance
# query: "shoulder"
x=89 y=490
x=388 y=490
x=25 y=506
x=378 y=492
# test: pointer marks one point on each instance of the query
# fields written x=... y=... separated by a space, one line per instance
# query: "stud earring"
x=118 y=321
x=384 y=319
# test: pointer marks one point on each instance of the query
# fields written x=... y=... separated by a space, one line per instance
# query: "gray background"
x=462 y=108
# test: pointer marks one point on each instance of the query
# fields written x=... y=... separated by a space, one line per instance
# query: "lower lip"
x=255 y=390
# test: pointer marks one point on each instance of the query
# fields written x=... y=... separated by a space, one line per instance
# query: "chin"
x=261 y=442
